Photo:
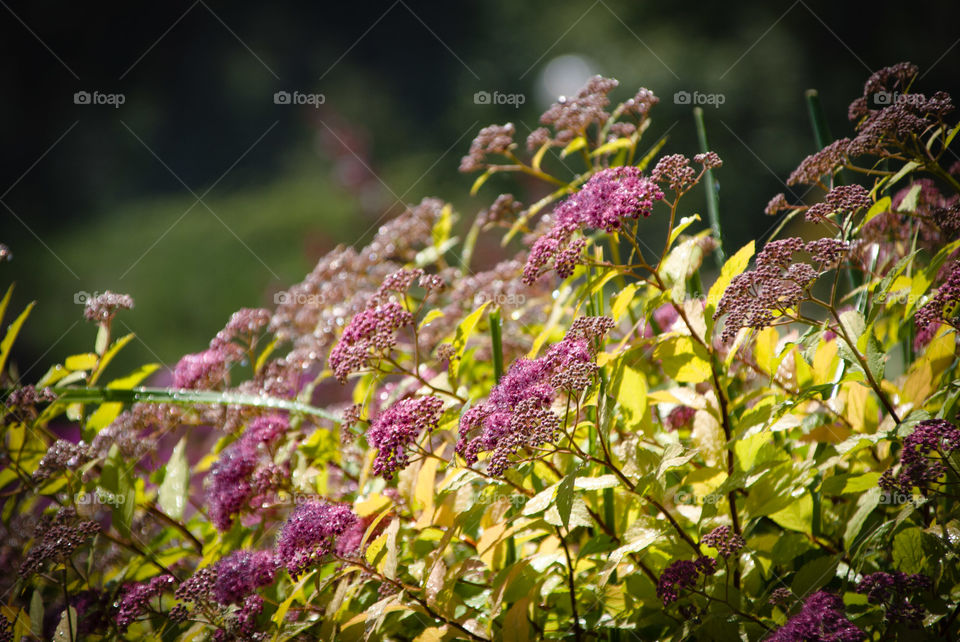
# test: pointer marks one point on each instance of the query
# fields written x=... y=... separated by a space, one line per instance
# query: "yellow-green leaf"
x=77 y=362
x=462 y=335
x=577 y=143
x=682 y=359
x=12 y=331
x=172 y=496
x=622 y=301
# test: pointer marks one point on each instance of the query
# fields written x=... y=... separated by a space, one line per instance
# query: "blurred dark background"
x=199 y=194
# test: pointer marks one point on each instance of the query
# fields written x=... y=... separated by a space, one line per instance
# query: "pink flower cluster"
x=518 y=414
x=370 y=333
x=605 y=201
x=233 y=482
x=311 y=533
x=398 y=427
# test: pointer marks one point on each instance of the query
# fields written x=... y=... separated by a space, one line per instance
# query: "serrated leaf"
x=172 y=495
x=908 y=550
x=540 y=502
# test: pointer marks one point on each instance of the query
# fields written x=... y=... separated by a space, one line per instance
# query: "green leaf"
x=429 y=317
x=36 y=613
x=622 y=301
x=648 y=158
x=116 y=479
x=115 y=348
x=734 y=266
x=477 y=184
x=631 y=394
x=613 y=146
x=12 y=331
x=908 y=550
x=172 y=495
x=865 y=505
x=464 y=329
x=67 y=628
x=565 y=497
x=906 y=169
x=798 y=516
x=516 y=628
x=86 y=361
x=814 y=574
x=684 y=223
x=577 y=143
x=683 y=360
x=186 y=398
x=878 y=208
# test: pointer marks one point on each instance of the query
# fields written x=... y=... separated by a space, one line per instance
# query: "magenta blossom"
x=310 y=534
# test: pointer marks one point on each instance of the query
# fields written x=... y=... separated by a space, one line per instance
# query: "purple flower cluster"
x=370 y=333
x=844 y=199
x=398 y=427
x=605 y=201
x=57 y=537
x=680 y=417
x=310 y=534
x=944 y=307
x=102 y=308
x=675 y=170
x=205 y=370
x=62 y=455
x=893 y=591
x=724 y=540
x=136 y=597
x=780 y=596
x=683 y=574
x=821 y=619
x=493 y=139
x=776 y=285
x=826 y=161
x=917 y=468
x=517 y=414
x=232 y=480
x=241 y=573
x=570 y=117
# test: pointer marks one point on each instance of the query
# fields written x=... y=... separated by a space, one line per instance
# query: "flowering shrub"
x=586 y=441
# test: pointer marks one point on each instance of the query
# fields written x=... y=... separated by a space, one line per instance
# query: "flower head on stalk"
x=683 y=574
x=896 y=592
x=518 y=414
x=918 y=466
x=610 y=197
x=398 y=427
x=369 y=334
x=944 y=307
x=822 y=618
x=310 y=534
